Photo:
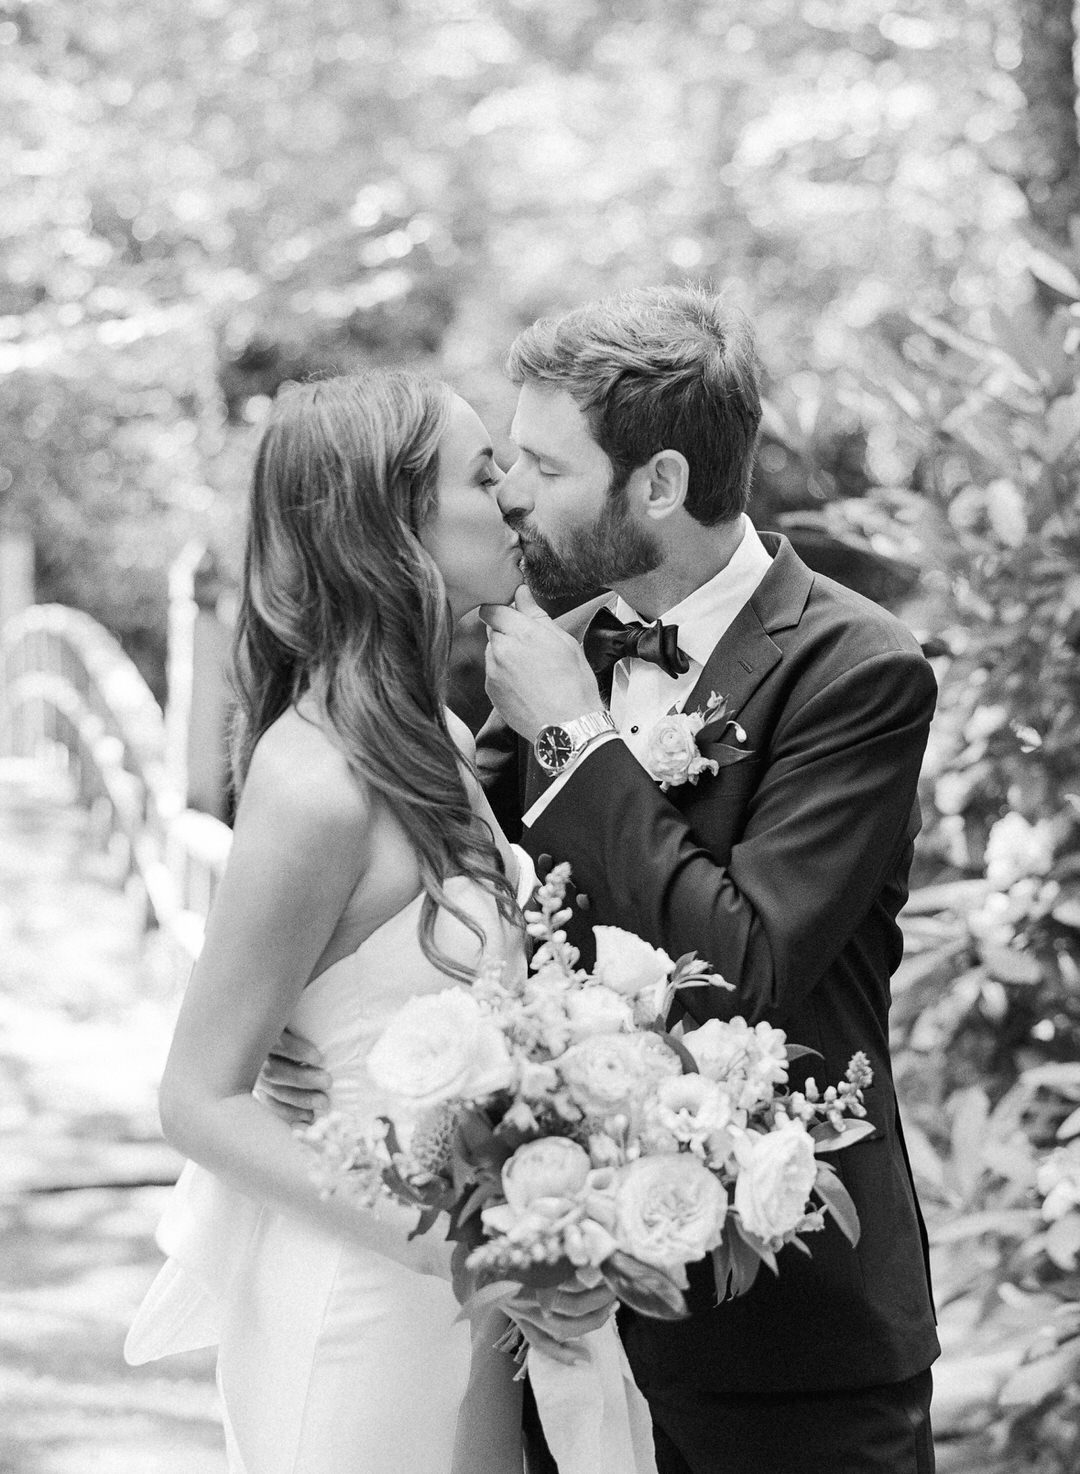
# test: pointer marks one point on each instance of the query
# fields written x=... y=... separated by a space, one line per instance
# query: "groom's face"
x=574 y=516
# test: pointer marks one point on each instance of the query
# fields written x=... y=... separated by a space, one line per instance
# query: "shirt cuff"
x=527 y=878
x=539 y=805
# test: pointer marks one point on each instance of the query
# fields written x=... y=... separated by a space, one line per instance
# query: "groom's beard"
x=612 y=550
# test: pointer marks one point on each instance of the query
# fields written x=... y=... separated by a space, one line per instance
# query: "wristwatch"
x=556 y=746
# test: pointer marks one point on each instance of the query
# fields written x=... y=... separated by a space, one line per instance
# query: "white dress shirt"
x=641 y=692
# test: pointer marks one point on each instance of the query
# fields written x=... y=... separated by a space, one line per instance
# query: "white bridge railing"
x=69 y=694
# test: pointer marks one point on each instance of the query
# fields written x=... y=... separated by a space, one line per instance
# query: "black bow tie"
x=608 y=640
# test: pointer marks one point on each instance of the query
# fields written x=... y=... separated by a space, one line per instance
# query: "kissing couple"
x=379 y=854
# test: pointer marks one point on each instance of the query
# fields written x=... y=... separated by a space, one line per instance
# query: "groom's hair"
x=659 y=368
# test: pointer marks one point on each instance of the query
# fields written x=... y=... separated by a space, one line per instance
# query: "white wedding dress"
x=334 y=1358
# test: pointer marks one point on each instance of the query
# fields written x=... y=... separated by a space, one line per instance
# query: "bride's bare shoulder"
x=301 y=775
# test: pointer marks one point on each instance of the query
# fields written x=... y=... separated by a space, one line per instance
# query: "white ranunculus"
x=777 y=1172
x=669 y=1210
x=440 y=1047
x=627 y=964
x=608 y=1073
x=597 y=1010
x=554 y=1167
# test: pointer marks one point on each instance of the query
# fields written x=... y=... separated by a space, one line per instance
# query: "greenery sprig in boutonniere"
x=673 y=753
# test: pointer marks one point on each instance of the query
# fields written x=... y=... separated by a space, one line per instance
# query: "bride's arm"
x=297 y=855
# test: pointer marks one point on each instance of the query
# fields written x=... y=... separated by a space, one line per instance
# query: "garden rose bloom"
x=671 y=752
x=669 y=1211
x=606 y=1073
x=552 y=1167
x=440 y=1047
x=627 y=964
x=777 y=1171
x=597 y=1010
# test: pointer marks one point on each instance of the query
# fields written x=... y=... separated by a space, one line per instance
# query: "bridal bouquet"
x=564 y=1131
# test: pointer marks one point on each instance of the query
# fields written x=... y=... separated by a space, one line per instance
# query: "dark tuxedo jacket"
x=786 y=871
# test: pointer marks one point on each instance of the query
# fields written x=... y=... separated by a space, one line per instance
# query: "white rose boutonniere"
x=673 y=753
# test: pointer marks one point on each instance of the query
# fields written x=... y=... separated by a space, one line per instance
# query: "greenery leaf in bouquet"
x=494 y=1293
x=735 y=1264
x=471 y=1202
x=478 y=1151
x=428 y=1219
x=643 y=1287
x=678 y=1048
x=837 y=1200
x=801 y=1051
x=830 y=1138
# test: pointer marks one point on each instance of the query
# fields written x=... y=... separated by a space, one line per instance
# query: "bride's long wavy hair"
x=342 y=604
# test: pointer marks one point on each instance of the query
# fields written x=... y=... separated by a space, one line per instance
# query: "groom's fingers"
x=300 y=1097
x=296 y=1048
x=278 y=1071
x=525 y=604
x=501 y=617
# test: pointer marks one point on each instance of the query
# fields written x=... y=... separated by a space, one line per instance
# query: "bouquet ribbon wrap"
x=594 y=1417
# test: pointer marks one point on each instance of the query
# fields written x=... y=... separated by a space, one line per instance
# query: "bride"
x=365 y=867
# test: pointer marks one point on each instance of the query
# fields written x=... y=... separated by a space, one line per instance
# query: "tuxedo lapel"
x=742 y=657
x=746 y=652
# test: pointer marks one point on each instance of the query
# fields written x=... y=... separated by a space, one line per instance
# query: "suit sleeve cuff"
x=541 y=803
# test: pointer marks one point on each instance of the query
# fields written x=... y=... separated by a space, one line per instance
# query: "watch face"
x=554 y=748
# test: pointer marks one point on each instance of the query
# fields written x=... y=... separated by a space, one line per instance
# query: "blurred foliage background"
x=204 y=201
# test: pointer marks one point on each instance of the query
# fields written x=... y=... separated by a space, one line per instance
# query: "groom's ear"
x=666 y=481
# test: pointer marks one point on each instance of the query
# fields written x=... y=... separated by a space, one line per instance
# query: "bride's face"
x=477 y=554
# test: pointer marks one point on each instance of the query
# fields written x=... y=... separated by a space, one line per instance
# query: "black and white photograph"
x=539 y=737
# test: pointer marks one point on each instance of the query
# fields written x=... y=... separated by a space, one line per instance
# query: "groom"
x=636 y=427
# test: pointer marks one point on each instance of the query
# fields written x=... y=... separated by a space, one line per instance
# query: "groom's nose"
x=511 y=493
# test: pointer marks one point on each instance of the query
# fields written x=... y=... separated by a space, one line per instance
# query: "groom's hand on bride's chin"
x=292 y=1083
x=536 y=673
x=554 y=1321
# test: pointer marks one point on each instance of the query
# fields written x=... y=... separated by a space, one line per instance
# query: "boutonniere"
x=673 y=753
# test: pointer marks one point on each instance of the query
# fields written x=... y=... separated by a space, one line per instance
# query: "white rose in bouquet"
x=597 y=1010
x=440 y=1047
x=777 y=1172
x=626 y=963
x=669 y=1210
x=608 y=1073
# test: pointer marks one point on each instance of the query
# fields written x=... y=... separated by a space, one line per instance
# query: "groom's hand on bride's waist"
x=554 y=1321
x=292 y=1083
